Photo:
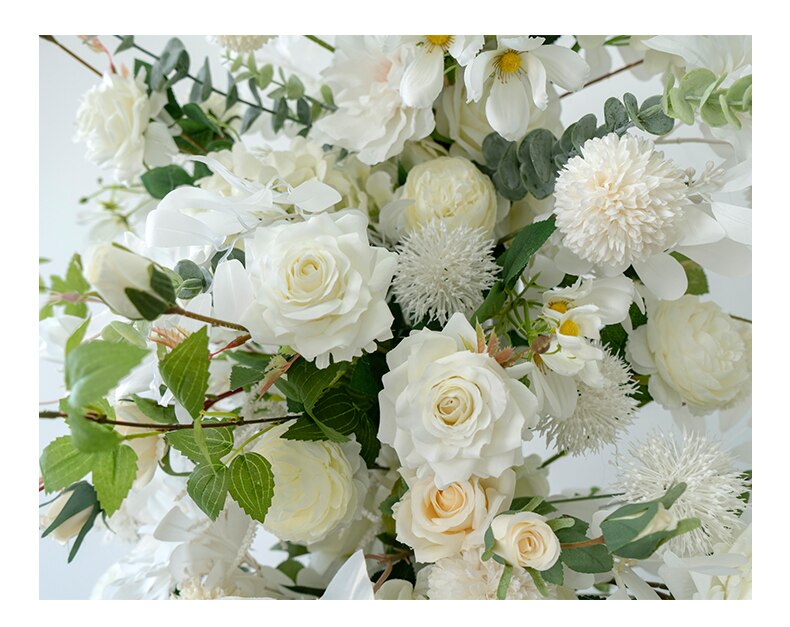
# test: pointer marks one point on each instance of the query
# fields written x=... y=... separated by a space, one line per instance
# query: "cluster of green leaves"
x=700 y=91
x=68 y=291
x=532 y=166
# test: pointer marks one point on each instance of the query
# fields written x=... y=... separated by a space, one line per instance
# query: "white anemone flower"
x=520 y=68
x=423 y=79
x=611 y=296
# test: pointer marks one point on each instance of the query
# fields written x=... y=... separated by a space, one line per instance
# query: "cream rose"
x=451 y=189
x=69 y=527
x=114 y=120
x=439 y=523
x=525 y=540
x=450 y=412
x=318 y=486
x=317 y=286
x=696 y=354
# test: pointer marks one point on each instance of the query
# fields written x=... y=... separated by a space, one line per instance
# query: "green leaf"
x=118 y=331
x=294 y=88
x=62 y=464
x=195 y=112
x=309 y=429
x=201 y=89
x=399 y=488
x=615 y=338
x=233 y=91
x=280 y=114
x=174 y=58
x=492 y=304
x=632 y=108
x=165 y=415
x=589 y=559
x=91 y=437
x=697 y=281
x=159 y=182
x=305 y=383
x=252 y=484
x=94 y=368
x=250 y=115
x=208 y=487
x=185 y=371
x=504 y=582
x=653 y=118
x=583 y=130
x=264 y=76
x=615 y=115
x=538 y=580
x=303 y=112
x=82 y=497
x=494 y=148
x=555 y=574
x=326 y=94
x=291 y=568
x=113 y=475
x=193 y=280
x=126 y=42
x=150 y=307
x=526 y=243
x=242 y=377
x=218 y=441
x=76 y=338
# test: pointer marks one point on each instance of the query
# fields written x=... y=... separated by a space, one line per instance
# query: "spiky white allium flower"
x=712 y=486
x=620 y=201
x=442 y=271
x=240 y=43
x=601 y=414
x=466 y=577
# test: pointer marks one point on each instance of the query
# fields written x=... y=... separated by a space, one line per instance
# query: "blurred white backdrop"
x=65 y=176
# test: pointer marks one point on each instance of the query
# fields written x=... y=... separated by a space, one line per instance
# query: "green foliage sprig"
x=699 y=92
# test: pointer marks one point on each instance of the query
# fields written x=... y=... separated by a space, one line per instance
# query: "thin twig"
x=321 y=42
x=213 y=401
x=587 y=498
x=215 y=321
x=553 y=459
x=235 y=343
x=180 y=427
x=604 y=77
x=51 y=39
x=691 y=140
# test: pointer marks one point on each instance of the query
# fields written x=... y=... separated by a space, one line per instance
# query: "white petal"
x=662 y=393
x=737 y=221
x=638 y=353
x=476 y=73
x=563 y=66
x=313 y=196
x=663 y=275
x=232 y=291
x=738 y=177
x=465 y=47
x=159 y=145
x=173 y=228
x=725 y=257
x=536 y=74
x=422 y=81
x=520 y=44
x=507 y=108
x=699 y=228
x=351 y=582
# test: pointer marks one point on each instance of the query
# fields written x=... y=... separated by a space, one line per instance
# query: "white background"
x=65 y=176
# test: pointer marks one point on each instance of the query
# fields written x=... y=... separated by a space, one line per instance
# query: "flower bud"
x=525 y=540
x=68 y=528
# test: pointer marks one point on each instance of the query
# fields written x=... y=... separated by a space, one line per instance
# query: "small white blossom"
x=240 y=43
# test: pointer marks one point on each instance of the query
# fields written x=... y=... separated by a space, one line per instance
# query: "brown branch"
x=208 y=319
x=580 y=545
x=240 y=340
x=604 y=77
x=154 y=426
x=51 y=39
x=213 y=401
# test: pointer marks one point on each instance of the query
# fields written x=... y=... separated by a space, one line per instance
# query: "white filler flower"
x=317 y=286
x=442 y=271
x=451 y=412
x=319 y=485
x=240 y=43
x=696 y=355
x=713 y=483
x=601 y=414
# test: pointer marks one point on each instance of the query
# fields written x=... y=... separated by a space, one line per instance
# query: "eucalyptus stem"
x=587 y=498
x=691 y=140
x=321 y=42
x=51 y=39
x=604 y=77
x=208 y=319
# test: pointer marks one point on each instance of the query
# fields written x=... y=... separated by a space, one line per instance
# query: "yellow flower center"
x=559 y=305
x=509 y=62
x=441 y=41
x=569 y=327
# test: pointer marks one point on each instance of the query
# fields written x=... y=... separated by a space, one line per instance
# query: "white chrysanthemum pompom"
x=713 y=485
x=442 y=271
x=466 y=577
x=620 y=201
x=601 y=414
x=241 y=43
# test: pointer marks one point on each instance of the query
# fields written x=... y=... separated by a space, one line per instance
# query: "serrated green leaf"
x=305 y=383
x=94 y=368
x=242 y=376
x=252 y=484
x=113 y=475
x=62 y=464
x=76 y=338
x=89 y=436
x=118 y=331
x=185 y=371
x=208 y=487
x=165 y=415
x=218 y=442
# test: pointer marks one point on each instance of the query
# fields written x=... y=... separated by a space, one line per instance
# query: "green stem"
x=553 y=459
x=208 y=319
x=137 y=436
x=604 y=77
x=321 y=42
x=587 y=498
x=741 y=319
x=240 y=449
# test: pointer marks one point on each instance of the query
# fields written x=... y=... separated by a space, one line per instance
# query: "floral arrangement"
x=342 y=304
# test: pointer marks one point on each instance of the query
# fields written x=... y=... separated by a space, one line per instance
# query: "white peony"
x=439 y=523
x=371 y=118
x=525 y=540
x=114 y=120
x=451 y=412
x=318 y=485
x=317 y=286
x=696 y=355
x=450 y=189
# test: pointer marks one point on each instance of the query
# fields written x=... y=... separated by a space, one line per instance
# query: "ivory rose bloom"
x=451 y=412
x=696 y=355
x=318 y=485
x=317 y=286
x=525 y=540
x=115 y=122
x=450 y=189
x=439 y=523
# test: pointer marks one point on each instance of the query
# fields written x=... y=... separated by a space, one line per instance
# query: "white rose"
x=451 y=412
x=68 y=528
x=318 y=486
x=439 y=523
x=525 y=540
x=112 y=270
x=114 y=121
x=317 y=286
x=696 y=355
x=450 y=189
x=149 y=450
x=664 y=520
